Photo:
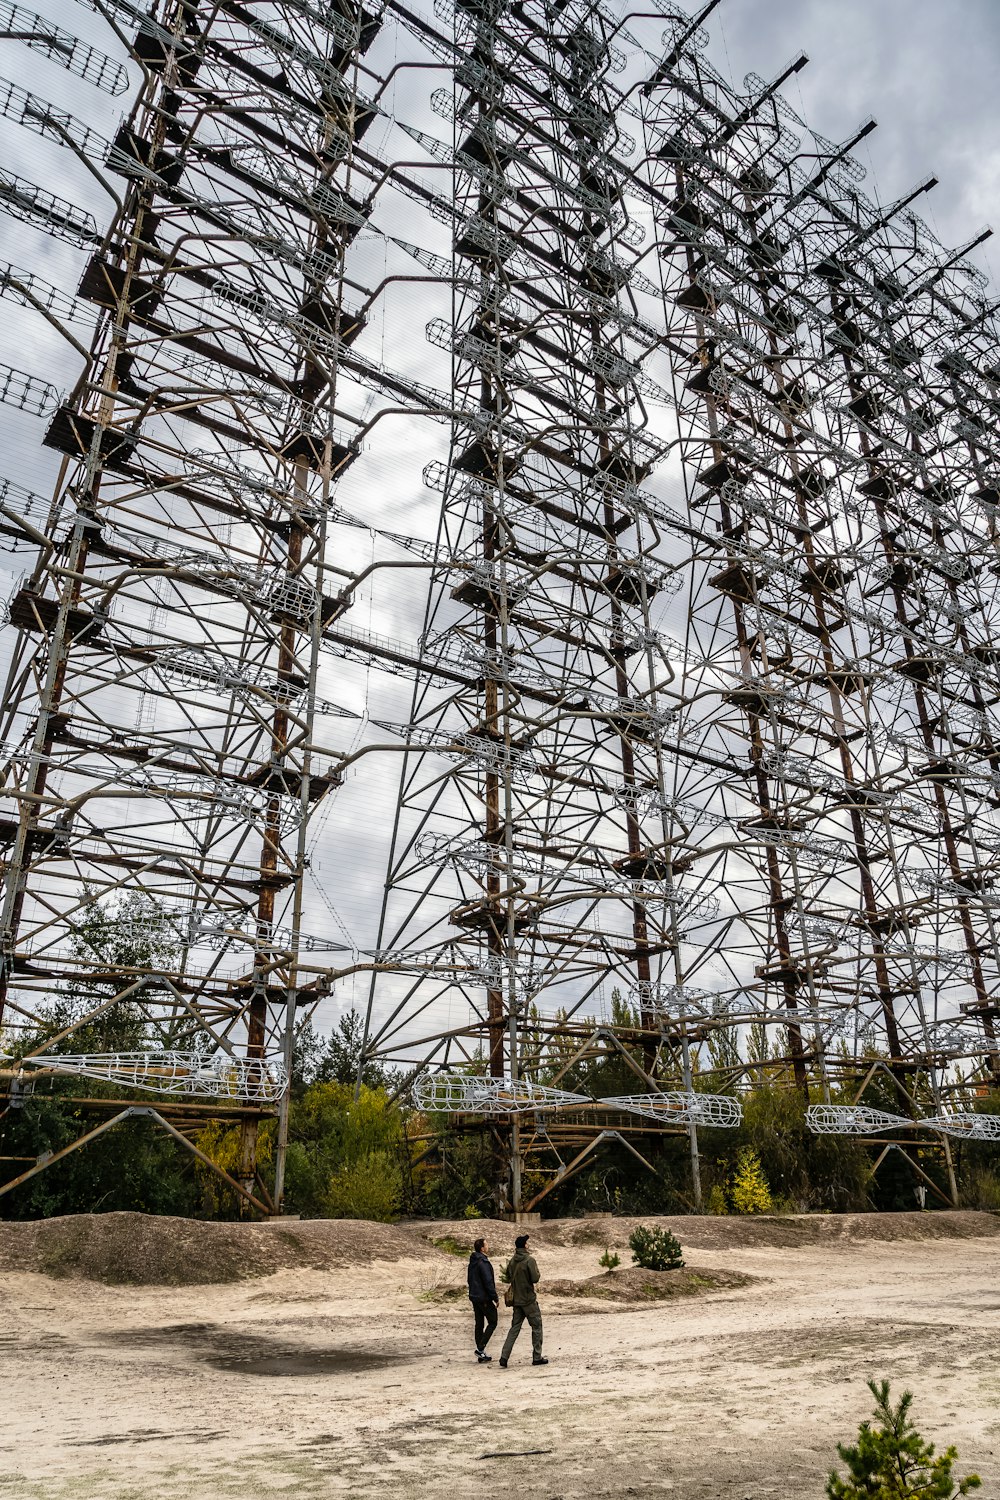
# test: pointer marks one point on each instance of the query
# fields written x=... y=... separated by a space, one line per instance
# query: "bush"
x=465 y=1173
x=813 y=1172
x=451 y=1246
x=135 y=1167
x=982 y=1190
x=716 y=1203
x=750 y=1193
x=609 y=1260
x=892 y=1461
x=369 y=1188
x=655 y=1249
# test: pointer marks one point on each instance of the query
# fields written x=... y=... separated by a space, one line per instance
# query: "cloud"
x=928 y=72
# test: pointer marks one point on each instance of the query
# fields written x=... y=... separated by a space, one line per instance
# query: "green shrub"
x=982 y=1190
x=368 y=1188
x=815 y=1172
x=450 y=1245
x=335 y=1139
x=892 y=1462
x=609 y=1260
x=716 y=1203
x=655 y=1249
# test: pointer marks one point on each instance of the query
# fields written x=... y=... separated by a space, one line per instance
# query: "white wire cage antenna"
x=851 y=1119
x=260 y=1080
x=676 y=1107
x=463 y=1093
x=946 y=1036
x=63 y=48
x=965 y=1125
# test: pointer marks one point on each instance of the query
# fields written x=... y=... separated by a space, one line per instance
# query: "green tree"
x=457 y=1170
x=344 y=1154
x=307 y=1049
x=135 y=1166
x=655 y=1249
x=108 y=942
x=368 y=1188
x=891 y=1461
x=339 y=1059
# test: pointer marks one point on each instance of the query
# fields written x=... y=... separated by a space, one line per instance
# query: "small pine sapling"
x=609 y=1260
x=655 y=1249
x=891 y=1461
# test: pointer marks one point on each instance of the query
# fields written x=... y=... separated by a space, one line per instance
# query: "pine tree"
x=892 y=1461
x=655 y=1249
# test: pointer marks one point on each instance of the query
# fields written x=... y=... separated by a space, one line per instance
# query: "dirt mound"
x=712 y=1232
x=632 y=1284
x=137 y=1249
x=128 y=1249
x=786 y=1231
x=628 y=1285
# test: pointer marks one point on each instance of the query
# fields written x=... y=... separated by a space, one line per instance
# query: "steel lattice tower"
x=161 y=704
x=702 y=684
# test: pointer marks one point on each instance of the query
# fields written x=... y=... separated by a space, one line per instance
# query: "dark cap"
x=520 y=1242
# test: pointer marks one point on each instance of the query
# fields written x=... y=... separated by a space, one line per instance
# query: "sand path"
x=360 y=1381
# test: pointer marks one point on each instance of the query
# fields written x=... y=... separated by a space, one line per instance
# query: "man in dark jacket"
x=484 y=1299
x=522 y=1274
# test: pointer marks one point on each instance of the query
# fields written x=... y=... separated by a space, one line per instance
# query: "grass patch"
x=451 y=1246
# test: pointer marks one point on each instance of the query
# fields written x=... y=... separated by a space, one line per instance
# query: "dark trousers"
x=486 y=1322
x=531 y=1314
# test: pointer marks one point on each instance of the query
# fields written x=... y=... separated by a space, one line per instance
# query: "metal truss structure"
x=964 y=1125
x=702 y=679
x=164 y=735
x=470 y=1093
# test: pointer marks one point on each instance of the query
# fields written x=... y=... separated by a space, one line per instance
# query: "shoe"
x=503 y=1363
x=539 y=1361
x=487 y=1359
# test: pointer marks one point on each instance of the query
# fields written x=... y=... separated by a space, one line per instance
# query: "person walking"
x=484 y=1299
x=522 y=1275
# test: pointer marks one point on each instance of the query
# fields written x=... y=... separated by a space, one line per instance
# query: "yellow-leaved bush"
x=749 y=1192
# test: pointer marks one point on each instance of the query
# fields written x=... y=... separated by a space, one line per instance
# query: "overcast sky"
x=928 y=70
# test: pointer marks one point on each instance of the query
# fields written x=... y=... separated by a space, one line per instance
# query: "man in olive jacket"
x=522 y=1275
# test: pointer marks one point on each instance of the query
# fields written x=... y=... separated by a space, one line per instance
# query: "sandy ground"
x=360 y=1380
